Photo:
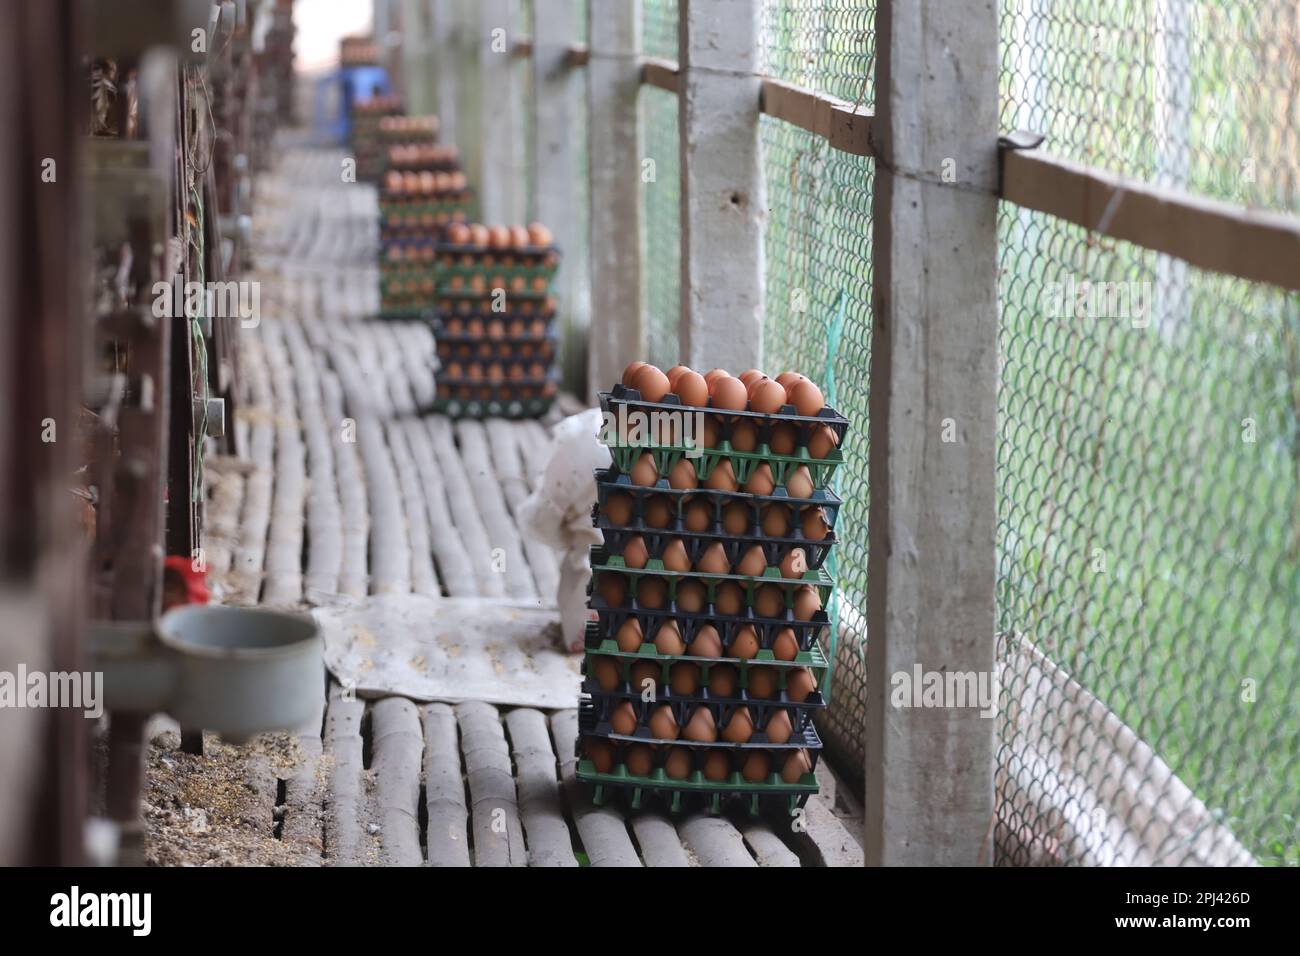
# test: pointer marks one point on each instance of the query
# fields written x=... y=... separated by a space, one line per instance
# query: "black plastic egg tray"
x=696 y=543
x=759 y=708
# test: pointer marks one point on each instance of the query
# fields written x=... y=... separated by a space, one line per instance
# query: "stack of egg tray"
x=365 y=140
x=695 y=792
x=392 y=130
x=494 y=326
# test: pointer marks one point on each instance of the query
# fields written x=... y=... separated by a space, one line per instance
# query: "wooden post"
x=502 y=192
x=930 y=570
x=723 y=194
x=444 y=41
x=614 y=167
x=556 y=85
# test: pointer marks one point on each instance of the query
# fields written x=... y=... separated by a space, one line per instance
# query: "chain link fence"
x=818 y=320
x=1149 y=454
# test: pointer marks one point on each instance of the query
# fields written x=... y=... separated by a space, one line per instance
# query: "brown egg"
x=519 y=237
x=806 y=398
x=600 y=753
x=752 y=563
x=498 y=237
x=678 y=764
x=700 y=726
x=769 y=601
x=712 y=433
x=761 y=481
x=822 y=441
x=716 y=766
x=728 y=393
x=675 y=557
x=629 y=373
x=722 y=477
x=794 y=564
x=691 y=596
x=750 y=376
x=724 y=680
x=682 y=475
x=676 y=372
x=729 y=598
x=623 y=719
x=644 y=472
x=663 y=725
x=799 y=684
x=393 y=182
x=699 y=516
x=785 y=646
x=796 y=765
x=652 y=592
x=629 y=637
x=783 y=439
x=692 y=389
x=788 y=378
x=668 y=639
x=458 y=233
x=706 y=642
x=757 y=766
x=618 y=508
x=635 y=554
x=735 y=518
x=739 y=727
x=539 y=235
x=779 y=727
x=605 y=672
x=479 y=235
x=713 y=560
x=799 y=483
x=651 y=383
x=744 y=437
x=713 y=375
x=684 y=678
x=762 y=682
x=613 y=588
x=639 y=760
x=658 y=512
x=814 y=524
x=767 y=396
x=807 y=602
x=745 y=643
x=644 y=676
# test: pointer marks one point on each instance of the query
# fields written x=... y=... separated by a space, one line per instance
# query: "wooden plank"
x=508 y=461
x=347 y=841
x=251 y=553
x=397 y=744
x=353 y=578
x=723 y=192
x=469 y=524
x=302 y=825
x=446 y=832
x=932 y=560
x=618 y=333
x=1223 y=237
x=844 y=126
x=767 y=848
x=714 y=841
x=498 y=835
x=454 y=571
x=547 y=832
x=424 y=580
x=503 y=534
x=657 y=837
x=602 y=830
x=660 y=73
x=283 y=583
x=390 y=551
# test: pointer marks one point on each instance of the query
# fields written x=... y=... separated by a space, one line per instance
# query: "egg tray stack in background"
x=677 y=564
x=365 y=139
x=494 y=321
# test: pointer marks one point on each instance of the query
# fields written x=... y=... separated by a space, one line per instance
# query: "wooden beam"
x=661 y=73
x=614 y=149
x=723 y=193
x=844 y=126
x=1222 y=237
x=501 y=196
x=933 y=410
x=557 y=89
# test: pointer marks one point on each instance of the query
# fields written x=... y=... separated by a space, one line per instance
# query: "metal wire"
x=818 y=248
x=661 y=213
x=1149 y=453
